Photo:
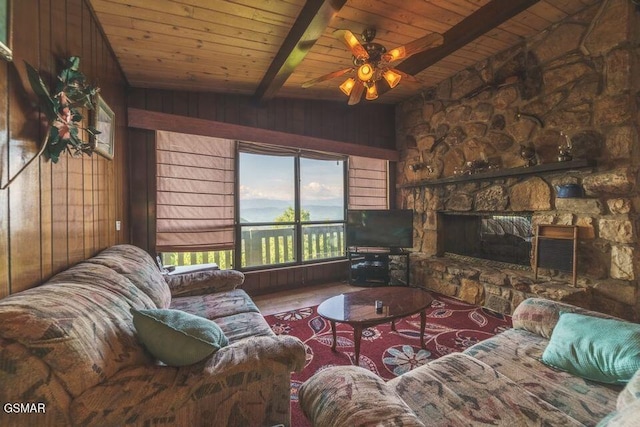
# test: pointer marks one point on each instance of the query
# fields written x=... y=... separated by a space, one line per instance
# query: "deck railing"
x=270 y=246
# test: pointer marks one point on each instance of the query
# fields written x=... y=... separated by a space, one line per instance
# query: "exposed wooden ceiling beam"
x=309 y=26
x=473 y=26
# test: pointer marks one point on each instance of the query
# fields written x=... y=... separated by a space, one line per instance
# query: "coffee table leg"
x=357 y=334
x=423 y=322
x=333 y=331
x=393 y=325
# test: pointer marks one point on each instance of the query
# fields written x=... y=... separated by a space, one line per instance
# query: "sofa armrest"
x=203 y=282
x=540 y=316
x=255 y=353
x=251 y=374
x=353 y=396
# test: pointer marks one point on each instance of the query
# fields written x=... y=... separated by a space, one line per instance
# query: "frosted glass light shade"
x=347 y=86
x=372 y=92
x=365 y=72
x=392 y=78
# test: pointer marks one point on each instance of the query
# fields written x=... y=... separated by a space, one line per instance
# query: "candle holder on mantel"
x=564 y=149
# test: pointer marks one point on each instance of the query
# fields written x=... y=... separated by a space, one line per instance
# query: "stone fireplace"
x=487 y=144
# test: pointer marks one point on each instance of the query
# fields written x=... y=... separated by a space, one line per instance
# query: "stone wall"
x=572 y=84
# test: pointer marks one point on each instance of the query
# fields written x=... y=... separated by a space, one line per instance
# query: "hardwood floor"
x=296 y=298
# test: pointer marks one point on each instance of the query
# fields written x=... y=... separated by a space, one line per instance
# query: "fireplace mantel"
x=500 y=173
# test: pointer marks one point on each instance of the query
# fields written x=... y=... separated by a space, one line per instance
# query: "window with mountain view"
x=284 y=223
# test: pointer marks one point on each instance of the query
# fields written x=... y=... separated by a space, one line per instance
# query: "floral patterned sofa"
x=499 y=381
x=69 y=349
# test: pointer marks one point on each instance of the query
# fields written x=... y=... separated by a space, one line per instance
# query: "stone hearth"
x=573 y=84
x=500 y=289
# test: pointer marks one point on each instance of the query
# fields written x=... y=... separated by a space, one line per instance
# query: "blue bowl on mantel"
x=568 y=191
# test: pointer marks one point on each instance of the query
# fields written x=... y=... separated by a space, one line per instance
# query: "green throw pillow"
x=178 y=338
x=603 y=350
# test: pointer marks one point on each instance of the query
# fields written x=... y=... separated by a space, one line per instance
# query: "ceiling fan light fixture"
x=392 y=78
x=372 y=92
x=365 y=72
x=347 y=86
x=395 y=54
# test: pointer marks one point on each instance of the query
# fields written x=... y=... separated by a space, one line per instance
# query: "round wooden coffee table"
x=358 y=310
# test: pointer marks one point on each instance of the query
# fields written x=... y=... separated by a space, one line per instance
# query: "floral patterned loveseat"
x=69 y=354
x=498 y=382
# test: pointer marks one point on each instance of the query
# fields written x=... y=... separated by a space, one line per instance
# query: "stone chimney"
x=491 y=139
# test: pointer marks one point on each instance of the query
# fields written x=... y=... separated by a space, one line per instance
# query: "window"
x=245 y=205
x=291 y=206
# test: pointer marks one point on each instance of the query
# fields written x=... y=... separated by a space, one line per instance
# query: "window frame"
x=297 y=223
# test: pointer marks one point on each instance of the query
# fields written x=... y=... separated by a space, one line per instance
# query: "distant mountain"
x=263 y=210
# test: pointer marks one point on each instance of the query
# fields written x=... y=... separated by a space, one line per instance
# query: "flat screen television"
x=380 y=228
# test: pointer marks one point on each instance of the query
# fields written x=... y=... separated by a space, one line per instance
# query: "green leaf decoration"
x=73 y=93
x=40 y=89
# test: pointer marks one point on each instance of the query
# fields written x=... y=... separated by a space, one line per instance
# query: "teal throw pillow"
x=178 y=338
x=602 y=350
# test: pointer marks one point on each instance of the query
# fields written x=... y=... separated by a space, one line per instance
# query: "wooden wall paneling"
x=192 y=104
x=296 y=117
x=48 y=66
x=75 y=191
x=24 y=192
x=5 y=284
x=206 y=108
x=231 y=109
x=113 y=166
x=53 y=215
x=59 y=212
x=138 y=188
x=181 y=103
x=122 y=163
x=151 y=188
x=247 y=112
x=88 y=66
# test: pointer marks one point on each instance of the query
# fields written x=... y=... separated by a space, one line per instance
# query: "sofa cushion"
x=457 y=389
x=221 y=305
x=516 y=354
x=78 y=324
x=138 y=266
x=234 y=311
x=540 y=316
x=178 y=338
x=603 y=350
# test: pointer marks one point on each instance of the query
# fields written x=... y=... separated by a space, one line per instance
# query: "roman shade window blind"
x=368 y=183
x=195 y=192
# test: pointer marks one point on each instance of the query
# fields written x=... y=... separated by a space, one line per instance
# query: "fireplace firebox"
x=500 y=237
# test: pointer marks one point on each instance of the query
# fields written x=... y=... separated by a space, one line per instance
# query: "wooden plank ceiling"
x=242 y=46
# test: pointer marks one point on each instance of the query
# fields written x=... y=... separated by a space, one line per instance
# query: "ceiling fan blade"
x=352 y=43
x=327 y=77
x=356 y=93
x=423 y=43
x=406 y=77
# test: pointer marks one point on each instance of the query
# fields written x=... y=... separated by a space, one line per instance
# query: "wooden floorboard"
x=297 y=298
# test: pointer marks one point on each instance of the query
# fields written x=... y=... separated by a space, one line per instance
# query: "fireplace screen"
x=503 y=238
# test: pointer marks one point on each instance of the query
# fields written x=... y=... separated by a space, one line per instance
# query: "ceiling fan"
x=372 y=62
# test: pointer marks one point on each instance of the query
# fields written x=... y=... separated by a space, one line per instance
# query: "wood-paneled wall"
x=55 y=215
x=367 y=125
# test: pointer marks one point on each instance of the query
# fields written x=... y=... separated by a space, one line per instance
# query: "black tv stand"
x=370 y=266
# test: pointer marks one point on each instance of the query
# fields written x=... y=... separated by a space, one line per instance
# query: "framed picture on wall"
x=104 y=121
x=5 y=30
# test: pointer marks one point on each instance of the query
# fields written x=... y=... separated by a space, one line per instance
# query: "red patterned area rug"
x=451 y=326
